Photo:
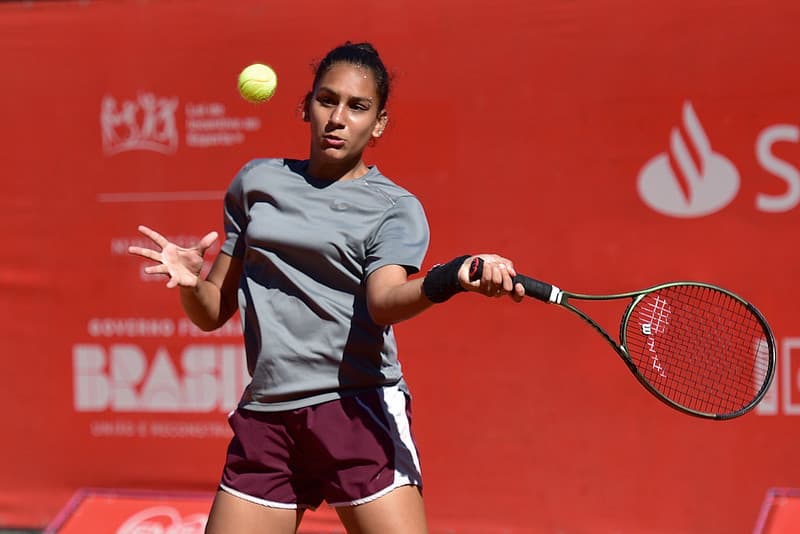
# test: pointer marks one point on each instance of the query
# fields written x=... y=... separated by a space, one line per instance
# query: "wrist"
x=191 y=286
x=442 y=281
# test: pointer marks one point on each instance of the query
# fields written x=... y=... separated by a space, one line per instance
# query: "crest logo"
x=692 y=186
x=147 y=123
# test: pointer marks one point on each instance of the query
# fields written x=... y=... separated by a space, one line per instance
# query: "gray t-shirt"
x=307 y=247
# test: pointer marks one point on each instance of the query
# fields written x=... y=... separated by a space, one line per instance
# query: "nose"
x=336 y=117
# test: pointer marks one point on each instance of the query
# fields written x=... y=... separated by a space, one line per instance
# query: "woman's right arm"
x=211 y=302
x=208 y=303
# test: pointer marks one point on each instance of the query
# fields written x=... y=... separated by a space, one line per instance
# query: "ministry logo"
x=678 y=184
x=146 y=123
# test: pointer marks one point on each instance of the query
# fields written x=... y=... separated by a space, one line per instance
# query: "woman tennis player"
x=317 y=258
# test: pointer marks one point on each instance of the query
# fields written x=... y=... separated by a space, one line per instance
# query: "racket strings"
x=699 y=347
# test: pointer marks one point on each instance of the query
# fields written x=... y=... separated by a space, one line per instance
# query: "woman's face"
x=344 y=117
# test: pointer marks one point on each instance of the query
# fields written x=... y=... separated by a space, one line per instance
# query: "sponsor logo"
x=149 y=122
x=692 y=179
x=783 y=396
x=680 y=185
x=122 y=377
x=771 y=135
x=146 y=123
x=163 y=519
x=340 y=205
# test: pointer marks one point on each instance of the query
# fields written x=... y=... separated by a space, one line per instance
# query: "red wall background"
x=524 y=127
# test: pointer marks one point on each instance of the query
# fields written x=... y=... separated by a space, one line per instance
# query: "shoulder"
x=259 y=172
x=265 y=165
x=389 y=189
x=399 y=204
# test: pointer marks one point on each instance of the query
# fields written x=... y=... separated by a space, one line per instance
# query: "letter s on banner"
x=768 y=137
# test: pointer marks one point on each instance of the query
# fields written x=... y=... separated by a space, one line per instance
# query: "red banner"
x=603 y=148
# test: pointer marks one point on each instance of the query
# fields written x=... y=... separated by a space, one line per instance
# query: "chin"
x=334 y=154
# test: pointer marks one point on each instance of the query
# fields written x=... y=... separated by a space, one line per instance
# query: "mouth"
x=331 y=141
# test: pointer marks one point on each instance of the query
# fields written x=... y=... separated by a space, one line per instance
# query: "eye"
x=360 y=106
x=326 y=100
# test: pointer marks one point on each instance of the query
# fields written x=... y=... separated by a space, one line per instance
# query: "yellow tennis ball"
x=257 y=83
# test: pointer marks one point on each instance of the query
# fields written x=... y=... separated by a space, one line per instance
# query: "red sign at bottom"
x=138 y=512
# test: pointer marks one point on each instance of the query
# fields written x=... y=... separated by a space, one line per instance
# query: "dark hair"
x=360 y=55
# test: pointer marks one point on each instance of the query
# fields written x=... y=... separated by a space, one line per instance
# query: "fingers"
x=519 y=292
x=162 y=242
x=207 y=241
x=148 y=253
x=165 y=270
x=157 y=269
x=154 y=236
x=182 y=266
x=176 y=276
x=497 y=276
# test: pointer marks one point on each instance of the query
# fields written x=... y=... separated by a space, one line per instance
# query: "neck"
x=333 y=171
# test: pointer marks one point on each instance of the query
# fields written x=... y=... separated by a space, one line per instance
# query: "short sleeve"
x=235 y=217
x=400 y=238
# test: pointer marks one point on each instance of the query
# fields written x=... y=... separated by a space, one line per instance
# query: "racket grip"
x=533 y=288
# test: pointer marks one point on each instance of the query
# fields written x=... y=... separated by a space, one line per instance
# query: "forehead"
x=350 y=79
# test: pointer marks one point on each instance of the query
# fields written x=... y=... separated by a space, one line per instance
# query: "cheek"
x=318 y=122
x=368 y=126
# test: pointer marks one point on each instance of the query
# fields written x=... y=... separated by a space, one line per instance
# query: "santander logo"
x=691 y=180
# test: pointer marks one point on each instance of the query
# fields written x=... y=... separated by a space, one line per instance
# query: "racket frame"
x=554 y=295
x=562 y=298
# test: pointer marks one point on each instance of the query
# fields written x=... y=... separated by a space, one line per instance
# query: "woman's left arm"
x=392 y=297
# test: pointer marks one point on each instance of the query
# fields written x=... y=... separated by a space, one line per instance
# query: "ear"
x=306 y=104
x=380 y=125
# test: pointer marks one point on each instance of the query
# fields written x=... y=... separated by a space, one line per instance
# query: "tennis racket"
x=697 y=347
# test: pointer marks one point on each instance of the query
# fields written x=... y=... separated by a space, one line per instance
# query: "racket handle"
x=533 y=288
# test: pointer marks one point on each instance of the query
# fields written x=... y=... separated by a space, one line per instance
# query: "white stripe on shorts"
x=256 y=500
x=407 y=470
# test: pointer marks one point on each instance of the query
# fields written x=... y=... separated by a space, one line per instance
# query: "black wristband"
x=441 y=282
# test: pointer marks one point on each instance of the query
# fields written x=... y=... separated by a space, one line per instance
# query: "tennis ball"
x=257 y=83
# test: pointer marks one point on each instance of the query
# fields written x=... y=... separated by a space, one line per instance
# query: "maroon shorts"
x=346 y=452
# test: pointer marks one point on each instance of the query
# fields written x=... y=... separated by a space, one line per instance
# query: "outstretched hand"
x=181 y=265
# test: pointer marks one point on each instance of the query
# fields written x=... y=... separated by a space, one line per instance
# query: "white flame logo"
x=693 y=188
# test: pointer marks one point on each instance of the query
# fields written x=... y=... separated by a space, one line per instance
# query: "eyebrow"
x=323 y=88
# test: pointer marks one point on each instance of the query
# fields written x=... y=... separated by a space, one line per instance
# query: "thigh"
x=234 y=514
x=401 y=511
